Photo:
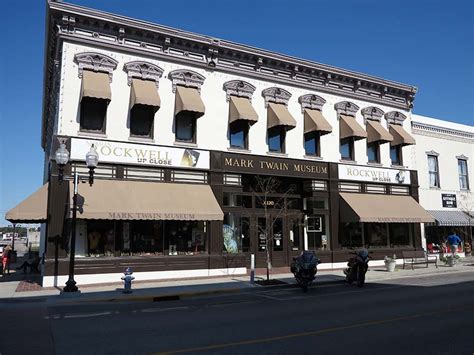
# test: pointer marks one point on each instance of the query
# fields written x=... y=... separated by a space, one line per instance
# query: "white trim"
x=51 y=281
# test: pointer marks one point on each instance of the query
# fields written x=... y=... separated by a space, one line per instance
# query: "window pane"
x=350 y=235
x=185 y=237
x=275 y=139
x=141 y=120
x=185 y=127
x=262 y=234
x=372 y=153
x=399 y=234
x=395 y=155
x=376 y=235
x=346 y=149
x=238 y=133
x=93 y=113
x=295 y=234
x=278 y=234
x=311 y=143
x=232 y=233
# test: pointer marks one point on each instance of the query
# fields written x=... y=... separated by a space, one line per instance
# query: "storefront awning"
x=452 y=218
x=33 y=209
x=240 y=108
x=357 y=207
x=400 y=136
x=135 y=200
x=144 y=92
x=350 y=128
x=95 y=85
x=189 y=100
x=376 y=133
x=315 y=122
x=278 y=115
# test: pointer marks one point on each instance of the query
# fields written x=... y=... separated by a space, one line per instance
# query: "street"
x=419 y=315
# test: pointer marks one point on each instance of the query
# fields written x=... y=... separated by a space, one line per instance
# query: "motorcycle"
x=304 y=267
x=357 y=267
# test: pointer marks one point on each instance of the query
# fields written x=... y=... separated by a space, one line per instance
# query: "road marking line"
x=152 y=310
x=314 y=332
x=87 y=315
x=267 y=296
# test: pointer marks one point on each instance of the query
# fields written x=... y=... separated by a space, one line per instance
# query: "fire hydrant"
x=127 y=280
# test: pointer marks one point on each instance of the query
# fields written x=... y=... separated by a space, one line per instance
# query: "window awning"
x=278 y=115
x=452 y=218
x=144 y=92
x=95 y=85
x=189 y=100
x=400 y=136
x=33 y=209
x=376 y=133
x=136 y=200
x=315 y=121
x=357 y=207
x=240 y=108
x=350 y=128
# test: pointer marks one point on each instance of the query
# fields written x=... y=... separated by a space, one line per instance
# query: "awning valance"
x=240 y=108
x=376 y=133
x=357 y=207
x=278 y=115
x=189 y=100
x=400 y=136
x=95 y=85
x=136 y=200
x=452 y=218
x=314 y=121
x=144 y=92
x=350 y=128
x=33 y=209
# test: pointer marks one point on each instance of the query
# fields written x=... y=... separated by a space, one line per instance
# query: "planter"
x=390 y=265
x=450 y=261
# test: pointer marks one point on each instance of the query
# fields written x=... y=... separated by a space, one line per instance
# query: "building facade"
x=444 y=154
x=210 y=151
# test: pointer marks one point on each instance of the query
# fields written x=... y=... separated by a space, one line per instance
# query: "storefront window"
x=316 y=232
x=277 y=234
x=400 y=234
x=350 y=235
x=295 y=234
x=146 y=237
x=376 y=235
x=185 y=237
x=236 y=233
x=262 y=234
x=236 y=200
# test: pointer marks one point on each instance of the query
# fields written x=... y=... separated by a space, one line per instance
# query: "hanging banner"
x=140 y=154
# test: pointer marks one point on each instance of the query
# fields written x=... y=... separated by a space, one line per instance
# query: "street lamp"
x=62 y=158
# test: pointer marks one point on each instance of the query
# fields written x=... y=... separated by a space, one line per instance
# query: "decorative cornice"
x=239 y=88
x=372 y=113
x=437 y=131
x=142 y=70
x=395 y=117
x=462 y=157
x=311 y=101
x=346 y=108
x=276 y=95
x=97 y=62
x=432 y=152
x=186 y=78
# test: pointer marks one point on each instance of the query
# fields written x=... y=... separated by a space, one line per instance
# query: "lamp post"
x=62 y=158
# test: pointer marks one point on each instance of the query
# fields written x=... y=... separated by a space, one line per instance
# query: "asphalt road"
x=426 y=315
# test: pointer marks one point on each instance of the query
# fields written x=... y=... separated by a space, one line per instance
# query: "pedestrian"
x=454 y=242
x=6 y=259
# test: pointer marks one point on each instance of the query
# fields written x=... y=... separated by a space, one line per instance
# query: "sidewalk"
x=178 y=289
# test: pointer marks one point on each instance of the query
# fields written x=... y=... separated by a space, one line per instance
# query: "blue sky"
x=426 y=43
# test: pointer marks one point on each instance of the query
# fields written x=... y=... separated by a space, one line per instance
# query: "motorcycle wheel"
x=361 y=277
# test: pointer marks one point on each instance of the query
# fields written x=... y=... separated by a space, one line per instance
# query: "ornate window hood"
x=89 y=26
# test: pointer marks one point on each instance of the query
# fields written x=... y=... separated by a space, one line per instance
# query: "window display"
x=236 y=233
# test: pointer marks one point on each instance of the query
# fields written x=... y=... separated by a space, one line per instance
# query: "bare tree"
x=273 y=209
x=466 y=205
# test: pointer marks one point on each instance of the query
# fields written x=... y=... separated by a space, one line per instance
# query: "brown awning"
x=315 y=121
x=278 y=115
x=188 y=99
x=350 y=128
x=357 y=207
x=144 y=92
x=240 y=108
x=135 y=200
x=376 y=133
x=33 y=209
x=95 y=85
x=400 y=136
